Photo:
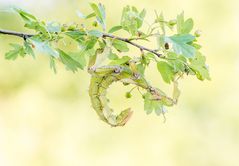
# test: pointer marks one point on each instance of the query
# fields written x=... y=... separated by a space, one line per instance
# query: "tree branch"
x=132 y=43
x=105 y=35
x=13 y=33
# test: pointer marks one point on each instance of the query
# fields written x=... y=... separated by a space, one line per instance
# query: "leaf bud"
x=128 y=95
x=63 y=29
x=125 y=83
x=143 y=96
x=172 y=22
x=72 y=27
x=198 y=33
x=95 y=24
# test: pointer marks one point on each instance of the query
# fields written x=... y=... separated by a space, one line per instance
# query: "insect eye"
x=118 y=70
x=151 y=89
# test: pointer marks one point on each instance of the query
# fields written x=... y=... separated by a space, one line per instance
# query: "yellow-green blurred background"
x=47 y=119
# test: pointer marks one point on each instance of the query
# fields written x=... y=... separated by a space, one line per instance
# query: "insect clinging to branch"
x=103 y=77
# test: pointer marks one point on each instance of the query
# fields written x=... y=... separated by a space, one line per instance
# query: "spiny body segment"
x=103 y=77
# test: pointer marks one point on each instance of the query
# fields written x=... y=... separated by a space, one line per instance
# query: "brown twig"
x=132 y=43
x=13 y=33
x=105 y=35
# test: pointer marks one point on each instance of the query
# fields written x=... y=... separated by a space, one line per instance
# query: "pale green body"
x=102 y=78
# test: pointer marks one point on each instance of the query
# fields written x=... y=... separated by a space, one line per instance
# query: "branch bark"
x=105 y=35
x=132 y=43
x=13 y=33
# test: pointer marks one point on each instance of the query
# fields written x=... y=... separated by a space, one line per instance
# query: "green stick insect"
x=103 y=77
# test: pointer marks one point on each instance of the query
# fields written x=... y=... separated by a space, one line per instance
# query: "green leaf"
x=199 y=67
x=17 y=50
x=76 y=35
x=140 y=18
x=162 y=23
x=166 y=71
x=141 y=69
x=197 y=46
x=44 y=47
x=132 y=20
x=176 y=91
x=27 y=17
x=102 y=11
x=79 y=57
x=53 y=27
x=89 y=43
x=92 y=60
x=187 y=26
x=95 y=33
x=113 y=56
x=151 y=105
x=142 y=14
x=102 y=56
x=28 y=49
x=115 y=28
x=120 y=46
x=99 y=11
x=149 y=55
x=69 y=62
x=20 y=50
x=38 y=27
x=160 y=41
x=96 y=10
x=53 y=64
x=180 y=22
x=148 y=103
x=90 y=16
x=177 y=62
x=181 y=46
x=32 y=22
x=121 y=61
x=184 y=27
